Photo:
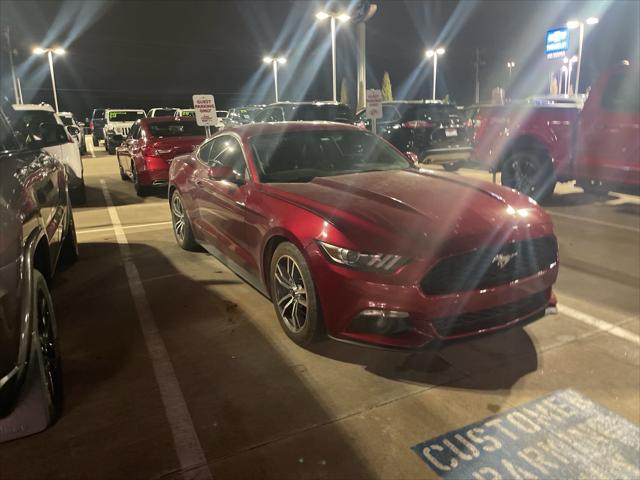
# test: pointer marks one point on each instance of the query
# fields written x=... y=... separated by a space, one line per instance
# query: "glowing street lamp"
x=50 y=52
x=435 y=53
x=275 y=61
x=510 y=65
x=572 y=24
x=342 y=17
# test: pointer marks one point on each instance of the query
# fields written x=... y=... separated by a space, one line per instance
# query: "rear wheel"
x=109 y=147
x=530 y=172
x=79 y=194
x=294 y=296
x=181 y=225
x=123 y=174
x=141 y=190
x=95 y=140
x=46 y=346
x=451 y=166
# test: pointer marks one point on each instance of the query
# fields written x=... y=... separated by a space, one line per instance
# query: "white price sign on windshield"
x=205 y=107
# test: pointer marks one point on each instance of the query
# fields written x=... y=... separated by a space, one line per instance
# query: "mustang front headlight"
x=376 y=262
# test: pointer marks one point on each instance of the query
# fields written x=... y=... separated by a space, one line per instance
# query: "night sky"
x=146 y=54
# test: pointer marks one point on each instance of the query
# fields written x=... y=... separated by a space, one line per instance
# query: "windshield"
x=432 y=113
x=66 y=120
x=124 y=115
x=165 y=112
x=176 y=129
x=331 y=113
x=301 y=156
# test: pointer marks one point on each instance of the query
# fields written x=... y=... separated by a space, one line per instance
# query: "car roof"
x=253 y=129
x=166 y=119
x=124 y=110
x=33 y=106
x=65 y=114
x=315 y=103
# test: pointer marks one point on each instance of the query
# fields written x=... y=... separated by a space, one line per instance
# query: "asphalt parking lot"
x=176 y=368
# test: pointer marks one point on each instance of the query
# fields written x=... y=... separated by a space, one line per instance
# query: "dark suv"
x=38 y=231
x=434 y=131
x=305 y=111
x=96 y=125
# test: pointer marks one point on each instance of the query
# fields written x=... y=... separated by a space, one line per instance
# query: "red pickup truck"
x=537 y=144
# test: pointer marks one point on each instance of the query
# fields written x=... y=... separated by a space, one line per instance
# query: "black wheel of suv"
x=69 y=253
x=123 y=174
x=95 y=140
x=181 y=225
x=293 y=295
x=451 y=166
x=46 y=346
x=141 y=190
x=529 y=171
x=79 y=194
x=109 y=147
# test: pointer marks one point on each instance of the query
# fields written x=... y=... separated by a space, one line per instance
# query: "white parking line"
x=599 y=324
x=185 y=439
x=596 y=222
x=150 y=226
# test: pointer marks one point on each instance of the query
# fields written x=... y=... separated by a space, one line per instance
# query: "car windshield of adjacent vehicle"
x=621 y=93
x=124 y=116
x=66 y=120
x=331 y=113
x=98 y=114
x=431 y=113
x=165 y=112
x=303 y=155
x=176 y=129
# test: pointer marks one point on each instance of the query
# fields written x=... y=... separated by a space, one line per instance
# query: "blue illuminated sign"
x=557 y=41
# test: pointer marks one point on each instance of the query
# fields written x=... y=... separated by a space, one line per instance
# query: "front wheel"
x=530 y=172
x=181 y=225
x=46 y=345
x=95 y=140
x=451 y=166
x=294 y=296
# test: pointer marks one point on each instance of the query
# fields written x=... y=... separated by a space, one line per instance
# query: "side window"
x=389 y=114
x=205 y=150
x=226 y=151
x=135 y=130
x=260 y=116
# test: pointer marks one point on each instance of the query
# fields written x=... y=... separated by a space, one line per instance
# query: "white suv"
x=117 y=124
x=39 y=123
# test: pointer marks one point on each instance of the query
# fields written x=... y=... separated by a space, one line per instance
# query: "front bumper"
x=344 y=294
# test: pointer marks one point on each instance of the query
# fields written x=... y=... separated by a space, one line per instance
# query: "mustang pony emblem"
x=502 y=259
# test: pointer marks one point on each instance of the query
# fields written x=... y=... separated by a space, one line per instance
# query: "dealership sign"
x=557 y=42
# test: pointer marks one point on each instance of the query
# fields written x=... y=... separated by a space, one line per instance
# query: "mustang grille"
x=491 y=317
x=491 y=266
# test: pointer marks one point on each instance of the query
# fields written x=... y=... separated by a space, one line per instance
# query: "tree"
x=344 y=91
x=387 y=95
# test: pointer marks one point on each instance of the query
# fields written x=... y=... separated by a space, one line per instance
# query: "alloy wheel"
x=179 y=219
x=47 y=345
x=291 y=293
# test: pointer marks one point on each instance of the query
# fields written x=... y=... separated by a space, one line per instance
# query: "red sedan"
x=346 y=237
x=152 y=143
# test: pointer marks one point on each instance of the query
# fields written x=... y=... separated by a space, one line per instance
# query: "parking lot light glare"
x=267 y=59
x=592 y=20
x=344 y=17
x=430 y=53
x=59 y=51
x=440 y=51
x=38 y=50
x=281 y=60
x=573 y=24
x=322 y=15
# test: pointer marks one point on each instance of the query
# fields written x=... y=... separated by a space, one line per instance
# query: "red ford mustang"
x=345 y=236
x=152 y=143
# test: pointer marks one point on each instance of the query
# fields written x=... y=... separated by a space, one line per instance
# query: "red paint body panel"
x=592 y=144
x=425 y=216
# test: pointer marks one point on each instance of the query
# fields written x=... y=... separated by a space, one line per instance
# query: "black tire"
x=530 y=172
x=595 y=188
x=141 y=190
x=180 y=221
x=123 y=174
x=451 y=166
x=290 y=291
x=69 y=252
x=46 y=347
x=95 y=140
x=109 y=147
x=78 y=194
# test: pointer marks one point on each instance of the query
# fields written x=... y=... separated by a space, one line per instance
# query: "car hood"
x=417 y=212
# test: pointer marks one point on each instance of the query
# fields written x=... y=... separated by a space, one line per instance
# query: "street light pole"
x=580 y=25
x=50 y=52
x=343 y=17
x=435 y=53
x=274 y=61
x=510 y=65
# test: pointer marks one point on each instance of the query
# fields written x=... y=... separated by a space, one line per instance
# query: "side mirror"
x=413 y=158
x=73 y=130
x=61 y=134
x=225 y=173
